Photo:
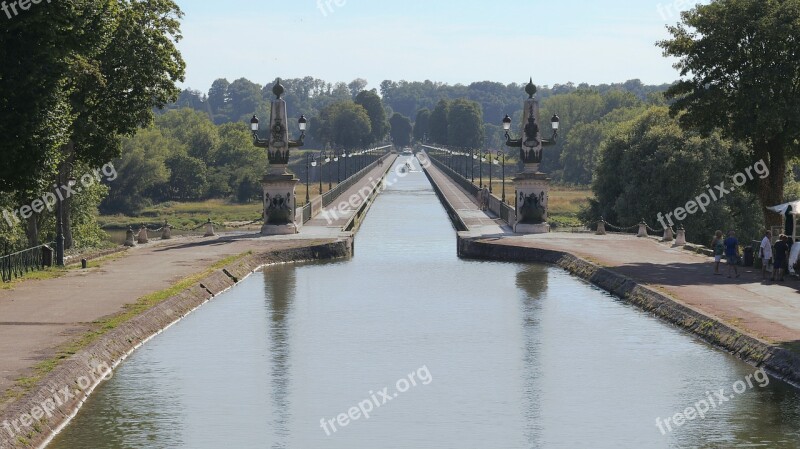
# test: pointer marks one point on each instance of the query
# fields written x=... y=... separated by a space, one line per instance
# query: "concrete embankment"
x=778 y=361
x=33 y=419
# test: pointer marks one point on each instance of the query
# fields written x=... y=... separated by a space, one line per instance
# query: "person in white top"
x=766 y=253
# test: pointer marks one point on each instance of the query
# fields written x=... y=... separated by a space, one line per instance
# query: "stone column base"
x=287 y=229
x=542 y=228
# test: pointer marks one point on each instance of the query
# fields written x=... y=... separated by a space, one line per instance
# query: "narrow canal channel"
x=456 y=354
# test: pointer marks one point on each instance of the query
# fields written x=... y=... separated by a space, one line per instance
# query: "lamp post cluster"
x=358 y=160
x=453 y=159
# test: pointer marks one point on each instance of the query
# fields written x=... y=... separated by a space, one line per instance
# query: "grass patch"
x=42 y=275
x=104 y=325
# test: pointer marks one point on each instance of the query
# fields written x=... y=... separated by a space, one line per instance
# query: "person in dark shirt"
x=732 y=252
x=781 y=258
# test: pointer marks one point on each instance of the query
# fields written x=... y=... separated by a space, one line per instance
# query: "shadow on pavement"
x=685 y=274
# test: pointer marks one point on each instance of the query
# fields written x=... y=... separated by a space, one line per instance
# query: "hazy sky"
x=461 y=41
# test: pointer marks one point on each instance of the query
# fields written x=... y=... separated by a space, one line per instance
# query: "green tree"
x=245 y=99
x=142 y=175
x=370 y=100
x=41 y=50
x=422 y=124
x=343 y=123
x=741 y=69
x=438 y=122
x=639 y=176
x=195 y=131
x=187 y=179
x=465 y=124
x=219 y=100
x=401 y=130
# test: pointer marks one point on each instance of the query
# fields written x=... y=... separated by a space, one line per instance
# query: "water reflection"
x=279 y=289
x=521 y=357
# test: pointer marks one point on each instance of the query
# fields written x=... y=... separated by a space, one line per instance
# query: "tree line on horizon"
x=76 y=99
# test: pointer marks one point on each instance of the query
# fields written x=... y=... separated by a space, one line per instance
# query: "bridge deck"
x=479 y=222
x=330 y=221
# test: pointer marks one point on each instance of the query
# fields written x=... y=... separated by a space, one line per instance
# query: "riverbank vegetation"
x=642 y=150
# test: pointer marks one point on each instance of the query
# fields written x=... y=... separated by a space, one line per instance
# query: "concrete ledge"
x=58 y=397
x=455 y=219
x=778 y=361
x=354 y=223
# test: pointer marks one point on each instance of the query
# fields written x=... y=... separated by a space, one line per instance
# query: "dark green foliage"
x=400 y=130
x=741 y=69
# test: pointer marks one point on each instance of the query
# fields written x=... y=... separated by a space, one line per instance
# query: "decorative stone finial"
x=278 y=89
x=530 y=89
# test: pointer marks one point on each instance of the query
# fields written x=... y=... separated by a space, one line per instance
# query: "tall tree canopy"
x=465 y=124
x=372 y=103
x=438 y=122
x=401 y=129
x=422 y=124
x=741 y=65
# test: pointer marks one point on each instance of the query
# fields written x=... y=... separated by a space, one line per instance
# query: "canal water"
x=437 y=352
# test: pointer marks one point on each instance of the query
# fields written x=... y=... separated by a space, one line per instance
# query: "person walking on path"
x=718 y=246
x=483 y=198
x=781 y=258
x=766 y=253
x=732 y=252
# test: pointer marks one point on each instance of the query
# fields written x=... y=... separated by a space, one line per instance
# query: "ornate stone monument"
x=279 y=184
x=532 y=186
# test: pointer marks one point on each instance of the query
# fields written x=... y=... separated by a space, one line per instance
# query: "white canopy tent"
x=791 y=215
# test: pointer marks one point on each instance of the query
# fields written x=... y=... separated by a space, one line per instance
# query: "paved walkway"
x=38 y=317
x=478 y=222
x=330 y=221
x=770 y=311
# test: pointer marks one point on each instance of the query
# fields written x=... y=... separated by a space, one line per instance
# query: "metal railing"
x=19 y=264
x=306 y=213
x=457 y=177
x=331 y=195
x=506 y=212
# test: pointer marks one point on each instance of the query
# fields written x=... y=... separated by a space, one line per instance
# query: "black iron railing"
x=331 y=195
x=20 y=263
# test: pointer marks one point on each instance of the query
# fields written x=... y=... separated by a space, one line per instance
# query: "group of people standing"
x=777 y=254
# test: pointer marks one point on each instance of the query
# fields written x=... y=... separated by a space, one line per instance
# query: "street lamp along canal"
x=278 y=183
x=501 y=160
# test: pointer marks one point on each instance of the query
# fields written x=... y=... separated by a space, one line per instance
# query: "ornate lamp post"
x=472 y=164
x=60 y=230
x=308 y=175
x=488 y=155
x=279 y=185
x=531 y=185
x=338 y=166
x=481 y=160
x=324 y=158
x=501 y=159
